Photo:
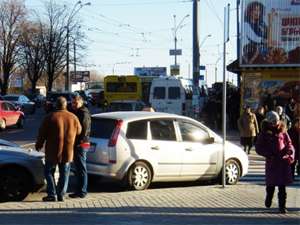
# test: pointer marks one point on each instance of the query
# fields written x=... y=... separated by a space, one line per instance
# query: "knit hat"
x=272 y=117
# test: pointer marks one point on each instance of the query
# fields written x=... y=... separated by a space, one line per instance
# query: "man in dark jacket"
x=58 y=131
x=81 y=147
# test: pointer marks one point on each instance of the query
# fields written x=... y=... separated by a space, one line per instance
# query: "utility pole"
x=238 y=2
x=196 y=54
x=67 y=83
x=74 y=11
x=175 y=41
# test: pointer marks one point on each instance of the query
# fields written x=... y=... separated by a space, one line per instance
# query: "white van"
x=174 y=95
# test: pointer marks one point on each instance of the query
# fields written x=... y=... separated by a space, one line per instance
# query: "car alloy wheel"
x=2 y=124
x=14 y=184
x=233 y=172
x=139 y=177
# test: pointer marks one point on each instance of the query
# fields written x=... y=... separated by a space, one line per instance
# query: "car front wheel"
x=2 y=124
x=233 y=171
x=14 y=184
x=139 y=176
x=21 y=122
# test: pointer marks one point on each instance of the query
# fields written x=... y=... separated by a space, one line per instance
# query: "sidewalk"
x=239 y=204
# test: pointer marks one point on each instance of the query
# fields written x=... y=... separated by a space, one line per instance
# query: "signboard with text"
x=270 y=33
x=80 y=76
x=175 y=70
x=150 y=71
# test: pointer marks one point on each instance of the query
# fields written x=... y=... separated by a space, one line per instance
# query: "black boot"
x=282 y=199
x=270 y=192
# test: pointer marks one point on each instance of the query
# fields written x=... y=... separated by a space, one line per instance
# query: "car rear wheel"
x=2 y=124
x=21 y=122
x=14 y=184
x=139 y=176
x=232 y=171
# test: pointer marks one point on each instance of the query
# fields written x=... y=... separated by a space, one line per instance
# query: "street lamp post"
x=176 y=28
x=74 y=11
x=216 y=68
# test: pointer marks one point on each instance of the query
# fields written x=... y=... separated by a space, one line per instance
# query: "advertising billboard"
x=270 y=33
x=150 y=71
x=80 y=76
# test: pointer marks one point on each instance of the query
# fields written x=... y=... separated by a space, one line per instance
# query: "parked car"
x=144 y=147
x=21 y=171
x=27 y=106
x=51 y=98
x=38 y=99
x=83 y=95
x=10 y=115
x=128 y=105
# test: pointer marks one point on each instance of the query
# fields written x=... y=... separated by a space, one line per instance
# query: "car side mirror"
x=210 y=140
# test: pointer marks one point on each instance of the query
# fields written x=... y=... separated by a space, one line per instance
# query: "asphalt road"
x=27 y=136
x=164 y=203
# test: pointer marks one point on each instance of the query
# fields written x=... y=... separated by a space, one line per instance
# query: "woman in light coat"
x=248 y=128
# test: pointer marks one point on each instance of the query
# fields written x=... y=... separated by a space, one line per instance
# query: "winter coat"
x=58 y=130
x=276 y=146
x=84 y=117
x=248 y=125
x=295 y=137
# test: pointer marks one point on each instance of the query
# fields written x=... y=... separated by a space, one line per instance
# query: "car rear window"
x=137 y=130
x=102 y=128
x=174 y=93
x=121 y=107
x=159 y=93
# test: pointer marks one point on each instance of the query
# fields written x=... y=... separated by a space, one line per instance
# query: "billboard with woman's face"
x=270 y=33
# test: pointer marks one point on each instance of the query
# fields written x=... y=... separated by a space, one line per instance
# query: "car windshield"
x=121 y=106
x=11 y=98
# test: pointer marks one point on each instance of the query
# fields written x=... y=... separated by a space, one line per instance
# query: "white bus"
x=175 y=95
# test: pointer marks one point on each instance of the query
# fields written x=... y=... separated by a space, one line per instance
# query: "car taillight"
x=114 y=137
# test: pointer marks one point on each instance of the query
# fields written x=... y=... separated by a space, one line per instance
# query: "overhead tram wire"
x=138 y=33
x=213 y=10
x=143 y=3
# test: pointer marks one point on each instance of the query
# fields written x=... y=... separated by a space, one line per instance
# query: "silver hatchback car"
x=21 y=171
x=145 y=147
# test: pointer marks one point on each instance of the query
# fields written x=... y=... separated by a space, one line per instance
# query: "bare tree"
x=31 y=55
x=59 y=25
x=54 y=41
x=12 y=14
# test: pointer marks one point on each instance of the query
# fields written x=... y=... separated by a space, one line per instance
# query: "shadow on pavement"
x=148 y=215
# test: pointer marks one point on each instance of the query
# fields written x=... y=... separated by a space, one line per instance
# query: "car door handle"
x=155 y=148
x=189 y=149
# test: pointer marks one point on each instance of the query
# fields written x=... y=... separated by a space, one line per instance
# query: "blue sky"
x=123 y=34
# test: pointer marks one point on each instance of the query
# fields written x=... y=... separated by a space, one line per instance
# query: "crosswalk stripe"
x=256 y=172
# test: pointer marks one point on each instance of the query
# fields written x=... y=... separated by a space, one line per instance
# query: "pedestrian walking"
x=58 y=131
x=283 y=117
x=290 y=108
x=81 y=147
x=260 y=116
x=275 y=145
x=294 y=133
x=248 y=128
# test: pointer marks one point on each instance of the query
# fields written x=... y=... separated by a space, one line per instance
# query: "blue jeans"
x=61 y=188
x=80 y=170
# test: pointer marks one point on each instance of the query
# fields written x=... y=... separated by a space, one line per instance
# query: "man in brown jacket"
x=58 y=131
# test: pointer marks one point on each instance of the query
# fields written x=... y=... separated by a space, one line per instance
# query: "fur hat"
x=272 y=117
